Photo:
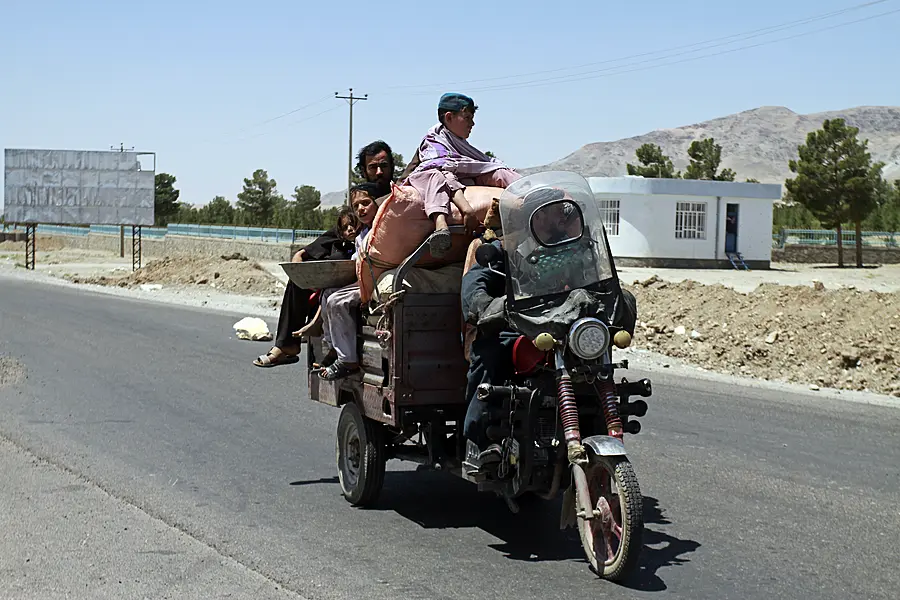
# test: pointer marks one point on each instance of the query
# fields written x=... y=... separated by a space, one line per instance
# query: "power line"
x=734 y=37
x=291 y=124
x=291 y=112
x=597 y=74
x=267 y=121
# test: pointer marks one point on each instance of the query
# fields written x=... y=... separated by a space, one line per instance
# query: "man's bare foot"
x=312 y=329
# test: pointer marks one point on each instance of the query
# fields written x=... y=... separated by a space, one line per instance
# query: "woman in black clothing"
x=296 y=306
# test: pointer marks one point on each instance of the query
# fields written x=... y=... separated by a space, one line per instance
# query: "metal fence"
x=63 y=230
x=828 y=237
x=254 y=234
x=228 y=232
x=799 y=237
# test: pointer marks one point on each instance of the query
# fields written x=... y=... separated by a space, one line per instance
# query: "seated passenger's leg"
x=501 y=178
x=327 y=343
x=293 y=310
x=437 y=189
x=293 y=315
x=341 y=308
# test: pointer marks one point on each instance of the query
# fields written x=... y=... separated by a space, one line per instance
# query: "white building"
x=686 y=223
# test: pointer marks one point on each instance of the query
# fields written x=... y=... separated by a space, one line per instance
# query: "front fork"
x=568 y=414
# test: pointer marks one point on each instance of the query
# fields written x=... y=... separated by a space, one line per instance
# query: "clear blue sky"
x=193 y=81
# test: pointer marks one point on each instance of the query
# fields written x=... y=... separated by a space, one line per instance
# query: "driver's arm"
x=480 y=287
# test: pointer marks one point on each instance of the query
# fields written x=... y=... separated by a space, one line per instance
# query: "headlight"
x=589 y=338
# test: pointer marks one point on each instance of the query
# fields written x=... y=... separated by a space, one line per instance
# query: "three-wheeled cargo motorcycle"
x=560 y=420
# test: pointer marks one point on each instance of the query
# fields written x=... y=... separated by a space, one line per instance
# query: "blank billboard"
x=77 y=187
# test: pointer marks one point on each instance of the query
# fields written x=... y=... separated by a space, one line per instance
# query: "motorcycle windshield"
x=553 y=235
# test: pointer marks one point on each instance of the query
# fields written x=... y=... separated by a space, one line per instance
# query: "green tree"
x=653 y=163
x=218 y=212
x=186 y=213
x=165 y=198
x=892 y=209
x=706 y=156
x=792 y=215
x=835 y=180
x=325 y=219
x=751 y=180
x=260 y=199
x=886 y=217
x=490 y=154
x=305 y=205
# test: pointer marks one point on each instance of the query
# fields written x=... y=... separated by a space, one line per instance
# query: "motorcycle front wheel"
x=613 y=538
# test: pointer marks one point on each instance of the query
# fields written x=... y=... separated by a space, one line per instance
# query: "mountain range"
x=756 y=144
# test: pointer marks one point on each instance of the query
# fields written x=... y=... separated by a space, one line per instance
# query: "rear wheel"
x=613 y=539
x=360 y=456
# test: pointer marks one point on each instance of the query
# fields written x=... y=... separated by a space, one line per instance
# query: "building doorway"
x=731 y=228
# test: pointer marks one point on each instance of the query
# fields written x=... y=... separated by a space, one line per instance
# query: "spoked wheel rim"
x=602 y=535
x=351 y=454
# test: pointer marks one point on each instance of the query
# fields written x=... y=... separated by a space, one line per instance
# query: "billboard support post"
x=135 y=247
x=30 y=245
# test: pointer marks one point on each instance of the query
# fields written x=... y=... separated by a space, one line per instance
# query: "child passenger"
x=296 y=306
x=448 y=163
x=339 y=305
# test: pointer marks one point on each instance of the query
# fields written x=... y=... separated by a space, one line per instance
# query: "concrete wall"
x=647 y=229
x=829 y=255
x=12 y=236
x=754 y=228
x=173 y=245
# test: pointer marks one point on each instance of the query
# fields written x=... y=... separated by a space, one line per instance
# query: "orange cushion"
x=401 y=224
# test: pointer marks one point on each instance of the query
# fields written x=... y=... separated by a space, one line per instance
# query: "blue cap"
x=455 y=102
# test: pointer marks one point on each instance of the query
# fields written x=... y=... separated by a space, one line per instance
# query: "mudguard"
x=604 y=445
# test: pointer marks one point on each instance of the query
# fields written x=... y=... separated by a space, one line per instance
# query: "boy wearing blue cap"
x=448 y=163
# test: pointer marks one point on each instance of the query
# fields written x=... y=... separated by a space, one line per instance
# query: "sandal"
x=337 y=370
x=439 y=242
x=271 y=360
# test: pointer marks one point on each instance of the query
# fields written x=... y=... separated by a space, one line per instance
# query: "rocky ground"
x=836 y=338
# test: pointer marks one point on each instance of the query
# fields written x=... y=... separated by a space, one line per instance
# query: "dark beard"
x=383 y=187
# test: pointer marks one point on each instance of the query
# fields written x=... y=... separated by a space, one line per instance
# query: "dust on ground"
x=838 y=338
x=233 y=273
x=12 y=371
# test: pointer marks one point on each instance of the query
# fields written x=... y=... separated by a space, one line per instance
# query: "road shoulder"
x=66 y=538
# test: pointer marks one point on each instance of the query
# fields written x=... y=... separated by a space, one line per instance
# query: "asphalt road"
x=748 y=493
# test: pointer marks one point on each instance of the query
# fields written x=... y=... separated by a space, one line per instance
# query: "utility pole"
x=121 y=227
x=350 y=100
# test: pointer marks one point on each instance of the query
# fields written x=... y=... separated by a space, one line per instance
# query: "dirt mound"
x=845 y=339
x=234 y=273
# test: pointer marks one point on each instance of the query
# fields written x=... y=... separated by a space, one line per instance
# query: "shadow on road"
x=320 y=480
x=670 y=553
x=436 y=501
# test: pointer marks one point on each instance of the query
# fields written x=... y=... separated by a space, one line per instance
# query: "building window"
x=609 y=213
x=690 y=220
